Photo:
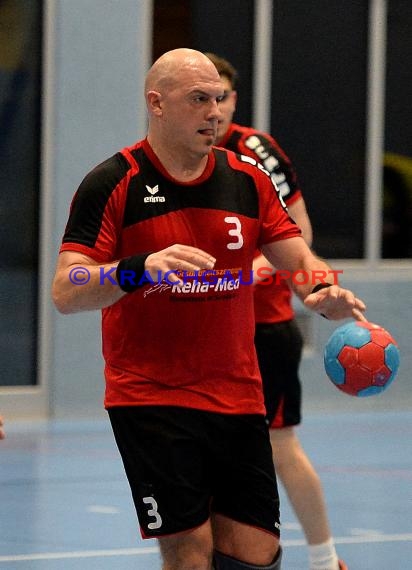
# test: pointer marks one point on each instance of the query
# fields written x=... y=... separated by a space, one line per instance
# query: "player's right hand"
x=178 y=257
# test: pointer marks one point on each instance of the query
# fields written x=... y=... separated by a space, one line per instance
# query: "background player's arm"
x=297 y=211
x=295 y=256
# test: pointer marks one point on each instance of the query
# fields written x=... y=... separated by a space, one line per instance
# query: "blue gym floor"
x=65 y=502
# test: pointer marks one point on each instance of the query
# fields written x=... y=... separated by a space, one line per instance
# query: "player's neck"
x=184 y=167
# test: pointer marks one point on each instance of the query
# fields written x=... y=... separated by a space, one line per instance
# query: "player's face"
x=191 y=111
x=227 y=107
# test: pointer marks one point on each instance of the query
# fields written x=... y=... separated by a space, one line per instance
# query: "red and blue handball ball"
x=361 y=358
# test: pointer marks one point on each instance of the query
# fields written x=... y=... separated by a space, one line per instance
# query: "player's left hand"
x=336 y=303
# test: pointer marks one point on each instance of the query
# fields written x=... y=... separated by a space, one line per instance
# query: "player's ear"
x=154 y=102
x=234 y=95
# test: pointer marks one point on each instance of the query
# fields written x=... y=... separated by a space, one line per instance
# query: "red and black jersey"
x=273 y=301
x=189 y=345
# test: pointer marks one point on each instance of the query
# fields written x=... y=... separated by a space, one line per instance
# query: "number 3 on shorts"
x=236 y=232
x=153 y=512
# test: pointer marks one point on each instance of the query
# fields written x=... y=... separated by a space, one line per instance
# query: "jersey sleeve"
x=267 y=151
x=96 y=211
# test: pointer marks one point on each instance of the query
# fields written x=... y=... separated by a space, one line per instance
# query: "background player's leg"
x=304 y=489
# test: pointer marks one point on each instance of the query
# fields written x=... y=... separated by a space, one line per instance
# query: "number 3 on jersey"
x=153 y=512
x=236 y=232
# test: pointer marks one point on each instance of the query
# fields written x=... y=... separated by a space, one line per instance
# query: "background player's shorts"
x=279 y=350
x=182 y=464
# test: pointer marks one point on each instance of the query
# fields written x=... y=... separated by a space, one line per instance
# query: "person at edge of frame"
x=2 y=430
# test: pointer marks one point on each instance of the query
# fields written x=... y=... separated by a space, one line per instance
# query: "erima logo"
x=153 y=191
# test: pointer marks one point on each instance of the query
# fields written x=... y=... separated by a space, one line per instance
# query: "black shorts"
x=279 y=350
x=183 y=464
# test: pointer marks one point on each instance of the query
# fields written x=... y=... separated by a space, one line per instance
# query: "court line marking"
x=361 y=539
x=405 y=537
x=80 y=554
x=103 y=510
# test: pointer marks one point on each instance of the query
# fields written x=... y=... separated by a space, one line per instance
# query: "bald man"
x=161 y=237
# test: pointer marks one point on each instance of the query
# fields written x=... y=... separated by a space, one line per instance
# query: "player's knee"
x=193 y=561
x=224 y=562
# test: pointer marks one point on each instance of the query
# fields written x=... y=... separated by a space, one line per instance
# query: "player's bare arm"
x=82 y=284
x=299 y=214
x=78 y=284
x=333 y=302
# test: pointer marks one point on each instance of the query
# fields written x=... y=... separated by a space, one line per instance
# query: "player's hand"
x=178 y=257
x=336 y=303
